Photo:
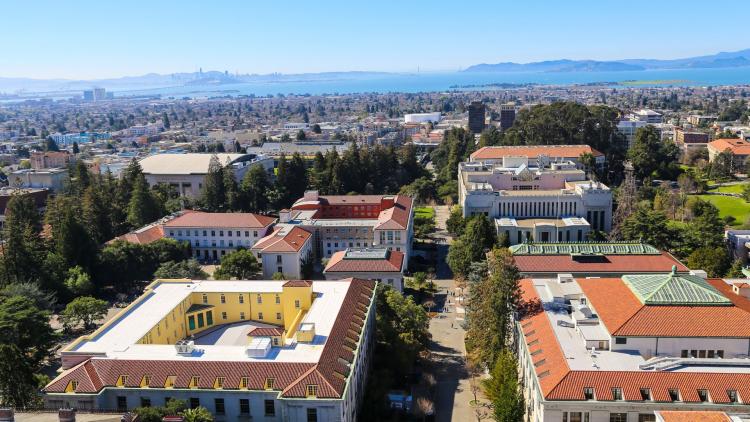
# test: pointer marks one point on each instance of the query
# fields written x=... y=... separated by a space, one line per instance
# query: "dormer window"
x=244 y=381
x=312 y=390
x=194 y=382
x=617 y=393
x=146 y=381
x=703 y=395
x=645 y=394
x=733 y=398
x=219 y=382
x=169 y=383
x=674 y=394
x=588 y=393
x=269 y=383
x=122 y=380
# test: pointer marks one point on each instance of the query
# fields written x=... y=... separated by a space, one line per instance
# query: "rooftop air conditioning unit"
x=565 y=278
x=185 y=347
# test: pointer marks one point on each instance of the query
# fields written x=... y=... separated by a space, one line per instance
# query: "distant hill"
x=724 y=59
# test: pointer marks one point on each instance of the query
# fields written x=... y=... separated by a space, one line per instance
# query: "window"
x=242 y=315
x=278 y=315
x=269 y=408
x=701 y=353
x=244 y=407
x=278 y=259
x=223 y=315
x=219 y=406
x=711 y=354
x=720 y=354
x=223 y=298
x=219 y=383
x=122 y=403
x=674 y=394
x=296 y=303
x=588 y=393
x=122 y=380
x=205 y=298
x=312 y=414
x=242 y=299
x=247 y=233
x=169 y=383
x=194 y=381
x=646 y=417
x=732 y=394
x=693 y=353
x=209 y=318
x=618 y=417
x=146 y=381
x=205 y=233
x=703 y=395
x=194 y=402
x=221 y=232
x=200 y=321
x=312 y=390
x=260 y=315
x=229 y=233
x=73 y=385
x=244 y=382
x=621 y=340
x=269 y=383
x=260 y=299
x=645 y=394
x=145 y=402
x=213 y=232
x=617 y=393
x=684 y=354
x=278 y=299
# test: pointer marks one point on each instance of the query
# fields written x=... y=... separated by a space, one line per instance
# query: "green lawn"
x=727 y=205
x=729 y=189
x=424 y=212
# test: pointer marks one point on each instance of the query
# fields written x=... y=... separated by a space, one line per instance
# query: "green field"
x=424 y=212
x=729 y=189
x=727 y=205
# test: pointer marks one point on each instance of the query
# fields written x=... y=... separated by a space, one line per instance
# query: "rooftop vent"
x=258 y=347
x=185 y=347
x=565 y=278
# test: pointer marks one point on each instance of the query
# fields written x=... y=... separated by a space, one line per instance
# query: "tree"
x=735 y=271
x=51 y=145
x=503 y=390
x=423 y=190
x=84 y=310
x=651 y=156
x=231 y=189
x=301 y=135
x=240 y=264
x=722 y=166
x=456 y=221
x=42 y=300
x=490 y=308
x=198 y=414
x=648 y=226
x=76 y=149
x=401 y=328
x=316 y=128
x=213 y=195
x=78 y=281
x=459 y=257
x=18 y=385
x=253 y=190
x=142 y=207
x=713 y=260
x=189 y=269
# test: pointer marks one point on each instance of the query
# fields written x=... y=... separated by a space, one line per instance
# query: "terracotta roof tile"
x=217 y=219
x=293 y=241
x=608 y=264
x=298 y=283
x=736 y=146
x=612 y=312
x=266 y=332
x=531 y=151
x=338 y=264
x=692 y=416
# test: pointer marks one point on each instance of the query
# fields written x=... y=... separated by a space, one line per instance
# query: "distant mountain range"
x=724 y=59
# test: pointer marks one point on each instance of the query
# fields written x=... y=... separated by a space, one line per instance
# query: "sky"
x=101 y=39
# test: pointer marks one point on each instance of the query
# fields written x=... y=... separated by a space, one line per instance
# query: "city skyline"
x=93 y=40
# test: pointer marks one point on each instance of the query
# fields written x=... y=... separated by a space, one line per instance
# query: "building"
x=422 y=117
x=646 y=115
x=688 y=141
x=338 y=222
x=738 y=242
x=627 y=128
x=285 y=251
x=537 y=155
x=53 y=179
x=49 y=159
x=213 y=235
x=620 y=349
x=739 y=148
x=382 y=265
x=246 y=350
x=476 y=117
x=700 y=120
x=507 y=115
x=39 y=196
x=95 y=94
x=67 y=139
x=186 y=172
x=547 y=203
x=151 y=129
x=540 y=260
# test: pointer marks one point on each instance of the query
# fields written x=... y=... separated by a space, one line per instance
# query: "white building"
x=245 y=350
x=422 y=117
x=285 y=251
x=187 y=172
x=53 y=179
x=213 y=235
x=646 y=115
x=381 y=265
x=338 y=222
x=550 y=202
x=621 y=349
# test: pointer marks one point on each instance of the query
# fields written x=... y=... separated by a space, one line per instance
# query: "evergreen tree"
x=76 y=149
x=254 y=190
x=231 y=189
x=503 y=389
x=214 y=194
x=51 y=145
x=71 y=240
x=142 y=208
x=319 y=176
x=283 y=182
x=22 y=248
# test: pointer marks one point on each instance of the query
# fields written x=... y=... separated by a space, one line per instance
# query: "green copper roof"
x=674 y=289
x=583 y=248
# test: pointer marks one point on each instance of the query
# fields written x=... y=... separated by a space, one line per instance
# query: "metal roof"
x=674 y=289
x=577 y=248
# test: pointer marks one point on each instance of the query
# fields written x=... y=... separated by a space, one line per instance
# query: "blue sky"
x=97 y=39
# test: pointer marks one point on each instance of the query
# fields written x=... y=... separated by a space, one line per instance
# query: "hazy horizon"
x=89 y=40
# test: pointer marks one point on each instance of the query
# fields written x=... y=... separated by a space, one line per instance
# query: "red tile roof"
x=278 y=242
x=266 y=332
x=692 y=416
x=397 y=217
x=217 y=219
x=338 y=264
x=618 y=264
x=736 y=146
x=143 y=236
x=533 y=151
x=330 y=374
x=297 y=283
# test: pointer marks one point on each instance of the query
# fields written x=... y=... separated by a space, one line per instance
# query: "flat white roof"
x=119 y=339
x=193 y=163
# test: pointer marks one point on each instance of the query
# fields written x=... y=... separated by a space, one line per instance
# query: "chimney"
x=6 y=415
x=66 y=415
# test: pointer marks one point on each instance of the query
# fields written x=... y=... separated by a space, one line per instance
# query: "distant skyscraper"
x=100 y=94
x=476 y=117
x=507 y=115
x=88 y=95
